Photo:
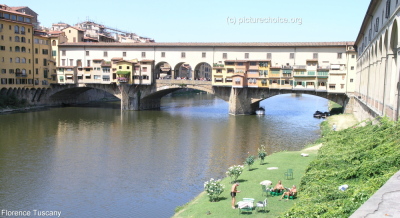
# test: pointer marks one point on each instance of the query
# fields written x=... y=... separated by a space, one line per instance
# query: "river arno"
x=96 y=161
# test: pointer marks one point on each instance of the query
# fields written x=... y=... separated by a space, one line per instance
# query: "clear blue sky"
x=212 y=20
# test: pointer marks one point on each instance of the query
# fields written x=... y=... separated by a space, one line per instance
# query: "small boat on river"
x=260 y=111
x=319 y=114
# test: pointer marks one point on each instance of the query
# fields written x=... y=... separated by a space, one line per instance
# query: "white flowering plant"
x=214 y=189
x=234 y=172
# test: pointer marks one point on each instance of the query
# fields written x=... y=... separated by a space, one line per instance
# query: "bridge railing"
x=181 y=81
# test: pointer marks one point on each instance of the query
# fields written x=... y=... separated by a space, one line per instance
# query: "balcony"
x=303 y=67
x=287 y=67
x=323 y=68
x=106 y=64
x=122 y=79
x=312 y=68
x=276 y=67
x=215 y=65
x=337 y=72
x=20 y=74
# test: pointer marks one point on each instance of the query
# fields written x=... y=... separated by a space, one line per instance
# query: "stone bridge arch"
x=72 y=94
x=246 y=101
x=203 y=71
x=163 y=70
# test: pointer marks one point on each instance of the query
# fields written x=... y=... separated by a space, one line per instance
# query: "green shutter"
x=304 y=84
x=291 y=82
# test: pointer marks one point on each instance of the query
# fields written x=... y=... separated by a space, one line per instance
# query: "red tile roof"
x=15 y=12
x=74 y=28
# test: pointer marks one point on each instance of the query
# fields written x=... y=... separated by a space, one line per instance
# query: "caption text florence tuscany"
x=287 y=111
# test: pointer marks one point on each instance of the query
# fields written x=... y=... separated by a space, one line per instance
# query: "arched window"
x=23 y=39
x=54 y=43
x=16 y=29
x=17 y=70
x=23 y=60
x=22 y=30
x=17 y=39
x=17 y=49
x=16 y=60
x=23 y=72
x=23 y=49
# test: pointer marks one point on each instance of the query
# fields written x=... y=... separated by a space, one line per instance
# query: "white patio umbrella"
x=266 y=183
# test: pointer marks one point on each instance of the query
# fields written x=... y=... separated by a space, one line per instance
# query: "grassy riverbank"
x=250 y=187
x=364 y=158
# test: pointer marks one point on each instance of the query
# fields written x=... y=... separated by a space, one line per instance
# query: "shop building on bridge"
x=318 y=66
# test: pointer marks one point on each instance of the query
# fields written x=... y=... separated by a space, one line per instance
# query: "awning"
x=106 y=76
x=80 y=74
x=218 y=78
x=61 y=77
x=237 y=79
x=88 y=74
x=123 y=72
x=69 y=76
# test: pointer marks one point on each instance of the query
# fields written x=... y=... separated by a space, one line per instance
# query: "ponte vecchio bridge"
x=241 y=73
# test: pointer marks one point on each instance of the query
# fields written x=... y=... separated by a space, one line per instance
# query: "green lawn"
x=250 y=188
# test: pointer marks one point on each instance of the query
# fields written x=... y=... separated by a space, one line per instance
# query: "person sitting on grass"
x=278 y=187
x=291 y=192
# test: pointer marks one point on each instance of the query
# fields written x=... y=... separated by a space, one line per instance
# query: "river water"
x=96 y=161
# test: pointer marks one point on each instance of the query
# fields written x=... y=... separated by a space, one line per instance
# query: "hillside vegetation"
x=364 y=158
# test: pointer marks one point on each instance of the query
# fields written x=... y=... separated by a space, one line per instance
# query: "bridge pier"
x=130 y=100
x=240 y=102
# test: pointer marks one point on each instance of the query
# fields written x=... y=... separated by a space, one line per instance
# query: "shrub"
x=214 y=188
x=262 y=154
x=249 y=161
x=234 y=172
x=11 y=101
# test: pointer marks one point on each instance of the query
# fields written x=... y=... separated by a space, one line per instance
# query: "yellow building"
x=16 y=57
x=43 y=63
x=220 y=76
x=74 y=34
x=263 y=71
x=124 y=71
x=25 y=52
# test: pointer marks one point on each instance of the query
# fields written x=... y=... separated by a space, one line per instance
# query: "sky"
x=213 y=20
